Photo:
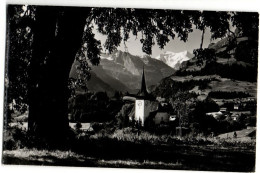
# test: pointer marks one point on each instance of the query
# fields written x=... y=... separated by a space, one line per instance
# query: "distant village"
x=233 y=118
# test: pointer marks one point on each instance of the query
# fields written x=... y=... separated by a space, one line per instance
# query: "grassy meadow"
x=128 y=148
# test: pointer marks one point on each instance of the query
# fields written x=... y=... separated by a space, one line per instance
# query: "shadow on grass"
x=105 y=151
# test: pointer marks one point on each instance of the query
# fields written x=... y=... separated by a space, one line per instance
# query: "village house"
x=215 y=114
x=223 y=110
x=161 y=118
x=236 y=106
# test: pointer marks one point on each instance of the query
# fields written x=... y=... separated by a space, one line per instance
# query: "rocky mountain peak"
x=174 y=60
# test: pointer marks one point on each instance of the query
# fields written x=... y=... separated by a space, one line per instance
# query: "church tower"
x=142 y=102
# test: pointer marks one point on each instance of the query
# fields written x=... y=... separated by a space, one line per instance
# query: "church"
x=146 y=106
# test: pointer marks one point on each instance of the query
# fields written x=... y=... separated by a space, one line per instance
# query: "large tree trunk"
x=57 y=38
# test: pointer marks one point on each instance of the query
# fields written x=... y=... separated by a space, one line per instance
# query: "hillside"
x=96 y=84
x=203 y=85
x=225 y=75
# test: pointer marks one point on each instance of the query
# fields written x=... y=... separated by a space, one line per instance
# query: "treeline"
x=169 y=87
x=247 y=106
x=232 y=71
x=228 y=94
x=94 y=106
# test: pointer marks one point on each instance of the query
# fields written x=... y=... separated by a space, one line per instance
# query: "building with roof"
x=147 y=107
x=143 y=102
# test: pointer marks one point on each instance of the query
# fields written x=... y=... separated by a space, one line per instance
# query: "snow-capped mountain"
x=106 y=56
x=174 y=60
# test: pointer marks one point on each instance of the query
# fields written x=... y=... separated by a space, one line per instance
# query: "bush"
x=97 y=126
x=228 y=95
x=78 y=126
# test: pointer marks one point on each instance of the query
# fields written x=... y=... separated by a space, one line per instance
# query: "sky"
x=135 y=47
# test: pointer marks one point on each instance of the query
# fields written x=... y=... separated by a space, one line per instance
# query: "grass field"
x=180 y=158
x=124 y=149
x=219 y=84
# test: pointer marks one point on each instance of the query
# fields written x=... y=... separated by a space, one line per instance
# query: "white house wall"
x=139 y=111
x=142 y=110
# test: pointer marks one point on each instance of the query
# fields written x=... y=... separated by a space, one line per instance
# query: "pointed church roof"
x=143 y=93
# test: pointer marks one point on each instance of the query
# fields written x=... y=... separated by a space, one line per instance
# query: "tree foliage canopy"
x=155 y=27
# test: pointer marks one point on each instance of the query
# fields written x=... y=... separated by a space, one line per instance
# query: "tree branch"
x=202 y=38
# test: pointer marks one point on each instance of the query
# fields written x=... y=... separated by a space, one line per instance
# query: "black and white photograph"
x=137 y=88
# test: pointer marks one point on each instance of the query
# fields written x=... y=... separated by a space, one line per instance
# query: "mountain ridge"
x=122 y=71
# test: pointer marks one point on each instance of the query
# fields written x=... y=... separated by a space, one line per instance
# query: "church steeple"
x=143 y=91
